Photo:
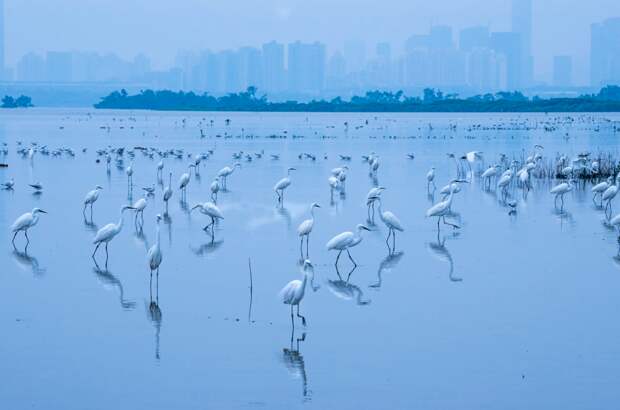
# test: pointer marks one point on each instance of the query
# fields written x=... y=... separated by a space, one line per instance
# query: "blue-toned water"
x=508 y=312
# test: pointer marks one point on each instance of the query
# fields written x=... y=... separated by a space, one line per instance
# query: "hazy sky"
x=160 y=28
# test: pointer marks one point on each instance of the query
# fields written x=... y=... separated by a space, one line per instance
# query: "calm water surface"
x=511 y=312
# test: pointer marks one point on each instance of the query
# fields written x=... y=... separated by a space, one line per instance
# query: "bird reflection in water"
x=154 y=314
x=294 y=362
x=345 y=290
x=168 y=223
x=109 y=280
x=27 y=262
x=442 y=253
x=285 y=214
x=141 y=237
x=387 y=264
x=205 y=249
x=90 y=225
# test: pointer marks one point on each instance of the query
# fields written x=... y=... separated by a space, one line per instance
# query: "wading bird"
x=107 y=233
x=559 y=191
x=25 y=222
x=90 y=199
x=373 y=196
x=344 y=241
x=225 y=172
x=430 y=178
x=293 y=293
x=213 y=212
x=184 y=180
x=168 y=192
x=441 y=209
x=392 y=223
x=139 y=207
x=282 y=184
x=154 y=254
x=305 y=228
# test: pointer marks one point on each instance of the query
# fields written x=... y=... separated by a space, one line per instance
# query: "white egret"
x=184 y=180
x=215 y=188
x=212 y=211
x=160 y=168
x=609 y=194
x=129 y=172
x=344 y=241
x=154 y=254
x=430 y=178
x=489 y=174
x=107 y=233
x=333 y=185
x=225 y=172
x=441 y=209
x=559 y=191
x=615 y=222
x=305 y=228
x=293 y=293
x=25 y=222
x=373 y=195
x=282 y=184
x=139 y=207
x=168 y=192
x=601 y=187
x=90 y=199
x=393 y=224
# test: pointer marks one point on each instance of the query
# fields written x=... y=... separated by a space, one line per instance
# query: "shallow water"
x=507 y=312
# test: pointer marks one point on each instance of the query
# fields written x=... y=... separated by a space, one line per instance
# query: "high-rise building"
x=482 y=69
x=474 y=37
x=31 y=67
x=355 y=55
x=2 y=33
x=522 y=25
x=273 y=67
x=306 y=67
x=562 y=71
x=605 y=53
x=59 y=64
x=508 y=45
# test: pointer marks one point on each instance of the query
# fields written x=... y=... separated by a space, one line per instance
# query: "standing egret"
x=333 y=185
x=154 y=254
x=160 y=168
x=90 y=199
x=184 y=180
x=129 y=172
x=346 y=240
x=441 y=209
x=139 y=206
x=293 y=293
x=373 y=196
x=305 y=228
x=25 y=222
x=225 y=172
x=559 y=191
x=213 y=212
x=215 y=188
x=107 y=233
x=601 y=187
x=392 y=223
x=282 y=184
x=430 y=178
x=609 y=194
x=168 y=192
x=488 y=175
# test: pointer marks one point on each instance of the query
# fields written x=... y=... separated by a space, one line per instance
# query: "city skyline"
x=471 y=58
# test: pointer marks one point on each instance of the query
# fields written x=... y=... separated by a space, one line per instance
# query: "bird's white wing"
x=22 y=221
x=283 y=183
x=305 y=227
x=288 y=292
x=340 y=240
x=104 y=233
x=436 y=209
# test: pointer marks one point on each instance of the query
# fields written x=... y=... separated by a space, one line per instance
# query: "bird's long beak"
x=41 y=210
x=197 y=206
x=318 y=206
x=366 y=228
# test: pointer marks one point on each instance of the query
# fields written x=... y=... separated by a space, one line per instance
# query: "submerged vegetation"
x=20 y=102
x=607 y=100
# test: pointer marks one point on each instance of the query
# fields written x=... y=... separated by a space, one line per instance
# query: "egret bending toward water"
x=215 y=188
x=282 y=185
x=441 y=209
x=601 y=187
x=107 y=233
x=392 y=223
x=168 y=192
x=90 y=199
x=559 y=191
x=225 y=172
x=344 y=241
x=154 y=254
x=609 y=194
x=25 y=222
x=293 y=293
x=305 y=228
x=212 y=211
x=373 y=196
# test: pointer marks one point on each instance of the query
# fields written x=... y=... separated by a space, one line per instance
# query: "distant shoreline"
x=608 y=100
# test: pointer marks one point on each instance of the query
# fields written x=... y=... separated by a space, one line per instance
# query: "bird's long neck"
x=312 y=213
x=119 y=226
x=157 y=235
x=449 y=200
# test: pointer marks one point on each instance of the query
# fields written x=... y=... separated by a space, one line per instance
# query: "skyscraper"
x=306 y=67
x=508 y=46
x=605 y=53
x=562 y=71
x=522 y=25
x=474 y=37
x=2 y=30
x=273 y=67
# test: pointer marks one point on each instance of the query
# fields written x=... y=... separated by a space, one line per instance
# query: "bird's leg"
x=13 y=241
x=350 y=257
x=292 y=322
x=338 y=258
x=393 y=241
x=84 y=210
x=303 y=319
x=96 y=247
x=151 y=286
x=106 y=254
x=307 y=244
x=301 y=248
x=448 y=223
x=27 y=238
